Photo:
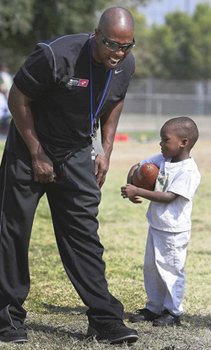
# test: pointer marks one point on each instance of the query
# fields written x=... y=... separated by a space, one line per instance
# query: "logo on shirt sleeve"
x=77 y=82
x=161 y=182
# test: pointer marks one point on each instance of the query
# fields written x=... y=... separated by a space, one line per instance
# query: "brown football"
x=145 y=176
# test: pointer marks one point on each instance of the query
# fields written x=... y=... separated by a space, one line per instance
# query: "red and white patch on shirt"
x=78 y=82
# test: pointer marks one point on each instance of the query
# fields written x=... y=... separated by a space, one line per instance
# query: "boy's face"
x=172 y=146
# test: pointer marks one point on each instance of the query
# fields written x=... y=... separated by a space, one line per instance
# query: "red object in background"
x=121 y=137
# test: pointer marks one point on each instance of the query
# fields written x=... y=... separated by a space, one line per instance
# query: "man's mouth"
x=113 y=62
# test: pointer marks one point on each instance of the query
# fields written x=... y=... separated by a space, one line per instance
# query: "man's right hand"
x=42 y=168
x=20 y=108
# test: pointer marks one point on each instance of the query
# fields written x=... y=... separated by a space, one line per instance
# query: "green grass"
x=56 y=316
x=1 y=147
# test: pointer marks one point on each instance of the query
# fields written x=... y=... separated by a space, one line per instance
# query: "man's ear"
x=97 y=34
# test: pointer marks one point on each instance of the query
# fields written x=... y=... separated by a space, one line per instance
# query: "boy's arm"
x=132 y=192
x=130 y=173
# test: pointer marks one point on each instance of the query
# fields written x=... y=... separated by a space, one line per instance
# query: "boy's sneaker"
x=115 y=333
x=167 y=319
x=17 y=336
x=142 y=315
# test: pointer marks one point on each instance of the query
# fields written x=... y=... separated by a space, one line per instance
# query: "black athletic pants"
x=73 y=199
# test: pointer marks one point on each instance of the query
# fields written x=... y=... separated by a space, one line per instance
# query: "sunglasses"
x=114 y=46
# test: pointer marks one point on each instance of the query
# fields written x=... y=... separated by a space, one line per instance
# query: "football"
x=145 y=176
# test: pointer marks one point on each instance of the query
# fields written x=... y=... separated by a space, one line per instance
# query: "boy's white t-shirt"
x=181 y=178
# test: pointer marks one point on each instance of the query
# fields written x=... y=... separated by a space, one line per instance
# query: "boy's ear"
x=184 y=142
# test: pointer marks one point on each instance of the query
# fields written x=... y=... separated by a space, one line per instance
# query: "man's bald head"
x=116 y=17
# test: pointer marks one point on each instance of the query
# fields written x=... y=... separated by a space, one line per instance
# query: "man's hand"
x=130 y=191
x=101 y=168
x=20 y=108
x=42 y=168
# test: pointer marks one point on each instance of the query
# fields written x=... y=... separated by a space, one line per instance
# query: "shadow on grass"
x=59 y=329
x=64 y=309
x=199 y=321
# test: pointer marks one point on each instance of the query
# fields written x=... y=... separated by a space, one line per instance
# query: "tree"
x=202 y=19
x=141 y=50
x=25 y=22
x=181 y=48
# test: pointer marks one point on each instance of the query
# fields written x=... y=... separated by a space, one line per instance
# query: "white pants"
x=164 y=274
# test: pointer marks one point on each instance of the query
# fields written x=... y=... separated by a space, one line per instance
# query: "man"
x=59 y=95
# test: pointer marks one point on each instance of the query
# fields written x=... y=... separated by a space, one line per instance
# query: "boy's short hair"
x=185 y=127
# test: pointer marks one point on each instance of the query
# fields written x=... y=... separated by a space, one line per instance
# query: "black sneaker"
x=115 y=333
x=18 y=336
x=167 y=319
x=142 y=315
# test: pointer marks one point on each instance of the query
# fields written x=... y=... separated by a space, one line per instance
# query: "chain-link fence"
x=150 y=103
x=169 y=97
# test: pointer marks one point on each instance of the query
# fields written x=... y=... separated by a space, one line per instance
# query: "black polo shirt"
x=57 y=77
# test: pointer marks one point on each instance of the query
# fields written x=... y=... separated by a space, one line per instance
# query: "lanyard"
x=94 y=115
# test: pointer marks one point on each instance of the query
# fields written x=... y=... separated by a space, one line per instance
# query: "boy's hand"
x=130 y=191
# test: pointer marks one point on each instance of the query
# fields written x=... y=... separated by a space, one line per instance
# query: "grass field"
x=56 y=316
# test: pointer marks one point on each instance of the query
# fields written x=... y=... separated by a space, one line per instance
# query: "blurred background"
x=172 y=52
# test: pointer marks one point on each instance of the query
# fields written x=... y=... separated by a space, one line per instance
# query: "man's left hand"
x=101 y=168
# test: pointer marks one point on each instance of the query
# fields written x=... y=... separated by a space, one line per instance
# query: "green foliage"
x=16 y=17
x=23 y=23
x=141 y=50
x=181 y=47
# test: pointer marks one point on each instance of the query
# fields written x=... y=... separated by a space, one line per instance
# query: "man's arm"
x=108 y=122
x=20 y=108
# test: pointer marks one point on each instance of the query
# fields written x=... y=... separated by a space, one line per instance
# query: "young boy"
x=169 y=217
